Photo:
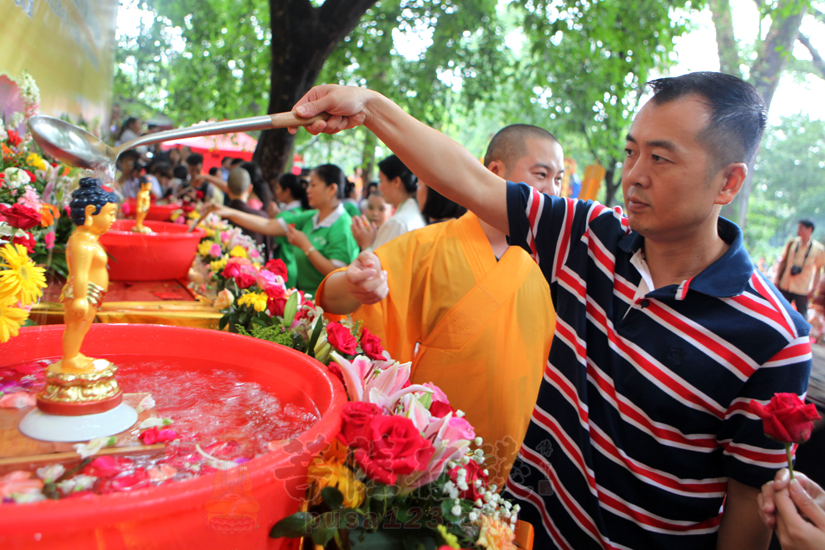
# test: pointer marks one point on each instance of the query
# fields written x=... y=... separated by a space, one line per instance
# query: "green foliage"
x=272 y=333
x=787 y=185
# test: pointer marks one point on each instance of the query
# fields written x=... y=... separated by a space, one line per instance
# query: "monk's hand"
x=364 y=231
x=366 y=281
x=346 y=105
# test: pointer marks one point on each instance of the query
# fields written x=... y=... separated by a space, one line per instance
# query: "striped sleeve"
x=549 y=228
x=749 y=456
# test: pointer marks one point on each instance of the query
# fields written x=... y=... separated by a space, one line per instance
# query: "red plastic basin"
x=157 y=212
x=176 y=515
x=165 y=254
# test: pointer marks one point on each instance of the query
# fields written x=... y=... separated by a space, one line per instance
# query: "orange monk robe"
x=482 y=327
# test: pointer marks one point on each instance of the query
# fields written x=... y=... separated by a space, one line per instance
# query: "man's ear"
x=734 y=176
x=496 y=167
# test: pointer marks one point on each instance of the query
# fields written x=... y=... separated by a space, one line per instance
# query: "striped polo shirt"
x=643 y=416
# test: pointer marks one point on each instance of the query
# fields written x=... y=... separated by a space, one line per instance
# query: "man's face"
x=542 y=167
x=669 y=191
x=804 y=231
x=195 y=169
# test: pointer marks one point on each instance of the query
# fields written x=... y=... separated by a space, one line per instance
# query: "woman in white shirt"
x=398 y=185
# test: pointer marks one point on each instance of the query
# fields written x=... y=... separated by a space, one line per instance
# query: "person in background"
x=460 y=304
x=239 y=187
x=236 y=163
x=795 y=510
x=226 y=167
x=398 y=186
x=173 y=155
x=801 y=267
x=262 y=192
x=377 y=210
x=196 y=187
x=322 y=237
x=351 y=199
x=132 y=128
x=214 y=172
x=290 y=191
x=131 y=178
x=163 y=174
x=435 y=207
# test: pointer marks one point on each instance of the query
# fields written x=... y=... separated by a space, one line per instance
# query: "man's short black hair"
x=236 y=162
x=194 y=159
x=737 y=112
x=510 y=143
x=805 y=222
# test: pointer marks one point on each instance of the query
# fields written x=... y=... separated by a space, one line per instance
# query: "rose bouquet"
x=222 y=245
x=32 y=190
x=401 y=472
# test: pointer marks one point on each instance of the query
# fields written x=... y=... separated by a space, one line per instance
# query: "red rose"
x=276 y=306
x=20 y=216
x=474 y=472
x=199 y=195
x=14 y=138
x=371 y=344
x=278 y=267
x=107 y=466
x=28 y=241
x=355 y=418
x=231 y=270
x=787 y=418
x=391 y=445
x=336 y=370
x=188 y=207
x=245 y=280
x=31 y=176
x=341 y=339
x=440 y=409
x=154 y=435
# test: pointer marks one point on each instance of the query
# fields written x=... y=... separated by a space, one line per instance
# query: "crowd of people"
x=607 y=359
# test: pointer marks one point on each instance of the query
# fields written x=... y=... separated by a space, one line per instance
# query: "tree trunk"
x=302 y=38
x=610 y=188
x=729 y=60
x=772 y=56
x=368 y=157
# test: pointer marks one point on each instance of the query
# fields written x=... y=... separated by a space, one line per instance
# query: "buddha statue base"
x=71 y=392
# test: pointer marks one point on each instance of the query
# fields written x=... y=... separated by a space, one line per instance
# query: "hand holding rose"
x=795 y=509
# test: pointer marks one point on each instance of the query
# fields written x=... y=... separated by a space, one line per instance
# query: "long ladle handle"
x=264 y=122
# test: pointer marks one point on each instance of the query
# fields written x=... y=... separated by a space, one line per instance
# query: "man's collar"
x=727 y=276
x=329 y=220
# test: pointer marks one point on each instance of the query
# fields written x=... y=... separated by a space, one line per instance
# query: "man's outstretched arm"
x=445 y=165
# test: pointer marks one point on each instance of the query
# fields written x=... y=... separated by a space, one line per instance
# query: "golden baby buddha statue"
x=77 y=384
x=144 y=201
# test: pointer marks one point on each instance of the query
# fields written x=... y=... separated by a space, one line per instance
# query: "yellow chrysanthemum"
x=204 y=247
x=11 y=319
x=253 y=299
x=449 y=539
x=238 y=252
x=328 y=470
x=33 y=159
x=21 y=278
x=209 y=231
x=218 y=265
x=495 y=534
x=193 y=215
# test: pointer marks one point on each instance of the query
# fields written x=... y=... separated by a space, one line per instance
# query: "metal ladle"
x=72 y=145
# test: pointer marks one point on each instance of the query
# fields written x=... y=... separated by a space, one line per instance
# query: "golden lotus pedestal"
x=79 y=406
x=91 y=391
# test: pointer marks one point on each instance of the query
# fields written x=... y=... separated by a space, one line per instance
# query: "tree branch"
x=818 y=14
x=729 y=60
x=817 y=59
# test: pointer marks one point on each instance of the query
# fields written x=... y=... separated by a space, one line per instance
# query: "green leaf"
x=290 y=309
x=223 y=322
x=294 y=526
x=333 y=497
x=316 y=332
x=322 y=534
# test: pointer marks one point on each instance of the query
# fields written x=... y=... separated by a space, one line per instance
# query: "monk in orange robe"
x=473 y=315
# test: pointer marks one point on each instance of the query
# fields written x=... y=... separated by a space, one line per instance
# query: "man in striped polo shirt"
x=665 y=331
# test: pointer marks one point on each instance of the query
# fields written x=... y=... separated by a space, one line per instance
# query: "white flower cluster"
x=29 y=92
x=3 y=134
x=490 y=503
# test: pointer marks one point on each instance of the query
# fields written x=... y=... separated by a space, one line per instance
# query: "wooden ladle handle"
x=285 y=120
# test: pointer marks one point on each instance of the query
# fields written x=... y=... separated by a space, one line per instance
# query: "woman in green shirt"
x=322 y=237
x=290 y=191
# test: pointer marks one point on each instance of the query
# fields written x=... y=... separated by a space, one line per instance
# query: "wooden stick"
x=60 y=457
